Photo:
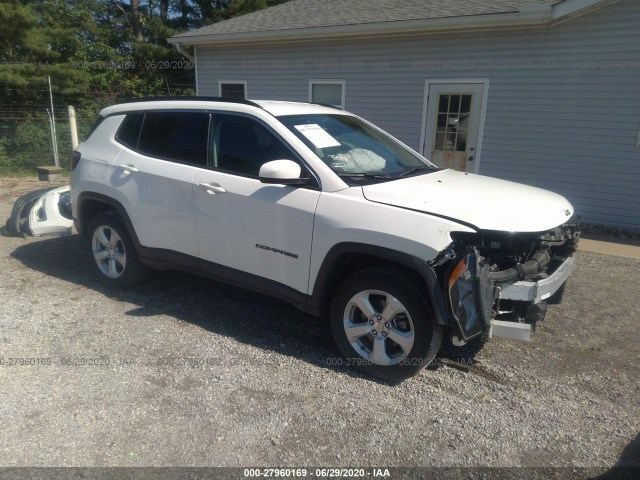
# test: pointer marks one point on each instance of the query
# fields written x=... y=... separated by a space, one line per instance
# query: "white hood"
x=485 y=202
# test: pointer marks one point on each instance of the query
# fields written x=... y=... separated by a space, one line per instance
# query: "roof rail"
x=328 y=105
x=187 y=98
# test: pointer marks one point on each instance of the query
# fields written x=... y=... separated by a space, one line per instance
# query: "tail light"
x=75 y=158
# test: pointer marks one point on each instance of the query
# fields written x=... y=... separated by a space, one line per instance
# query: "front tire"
x=113 y=254
x=383 y=324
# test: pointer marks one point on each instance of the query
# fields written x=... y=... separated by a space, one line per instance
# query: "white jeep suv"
x=320 y=208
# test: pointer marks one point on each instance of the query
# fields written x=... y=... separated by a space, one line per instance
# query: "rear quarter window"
x=129 y=130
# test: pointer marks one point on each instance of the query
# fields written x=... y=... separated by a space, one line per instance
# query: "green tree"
x=49 y=38
x=96 y=51
x=236 y=8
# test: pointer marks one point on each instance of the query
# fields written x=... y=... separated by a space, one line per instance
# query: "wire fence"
x=26 y=139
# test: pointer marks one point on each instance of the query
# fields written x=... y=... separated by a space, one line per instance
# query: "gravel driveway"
x=187 y=372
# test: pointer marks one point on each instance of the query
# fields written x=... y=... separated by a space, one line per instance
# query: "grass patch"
x=7 y=172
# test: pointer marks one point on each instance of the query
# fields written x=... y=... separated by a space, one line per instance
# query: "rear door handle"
x=211 y=189
x=128 y=169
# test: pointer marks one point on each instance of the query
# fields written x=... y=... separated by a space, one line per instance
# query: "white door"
x=159 y=200
x=155 y=176
x=454 y=112
x=244 y=224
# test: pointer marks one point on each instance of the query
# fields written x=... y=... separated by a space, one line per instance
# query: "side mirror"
x=283 y=172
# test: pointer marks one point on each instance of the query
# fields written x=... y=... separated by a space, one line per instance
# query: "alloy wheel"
x=378 y=327
x=108 y=251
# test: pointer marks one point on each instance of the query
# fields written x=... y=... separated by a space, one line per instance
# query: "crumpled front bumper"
x=474 y=299
x=531 y=292
x=41 y=212
x=536 y=292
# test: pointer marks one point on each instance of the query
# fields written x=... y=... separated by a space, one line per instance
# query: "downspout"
x=192 y=59
x=184 y=53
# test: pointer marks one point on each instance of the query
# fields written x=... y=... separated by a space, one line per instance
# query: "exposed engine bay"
x=499 y=283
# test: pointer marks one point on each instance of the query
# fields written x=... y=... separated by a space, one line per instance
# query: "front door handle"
x=211 y=189
x=128 y=169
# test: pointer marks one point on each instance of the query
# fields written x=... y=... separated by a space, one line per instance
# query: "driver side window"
x=241 y=145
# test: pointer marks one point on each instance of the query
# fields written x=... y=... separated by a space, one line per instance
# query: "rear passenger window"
x=176 y=136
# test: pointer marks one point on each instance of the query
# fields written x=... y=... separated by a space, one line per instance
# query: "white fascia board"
x=437 y=25
x=573 y=8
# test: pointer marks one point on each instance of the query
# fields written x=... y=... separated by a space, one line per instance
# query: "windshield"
x=354 y=149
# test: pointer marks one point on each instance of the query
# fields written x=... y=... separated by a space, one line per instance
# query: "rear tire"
x=113 y=254
x=383 y=324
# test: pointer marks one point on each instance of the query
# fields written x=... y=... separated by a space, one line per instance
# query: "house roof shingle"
x=301 y=14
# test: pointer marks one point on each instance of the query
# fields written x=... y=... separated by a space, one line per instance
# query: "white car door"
x=154 y=174
x=243 y=224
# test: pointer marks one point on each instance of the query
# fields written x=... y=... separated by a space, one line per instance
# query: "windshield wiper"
x=365 y=175
x=421 y=168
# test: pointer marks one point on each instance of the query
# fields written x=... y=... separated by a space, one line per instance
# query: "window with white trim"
x=328 y=92
x=233 y=88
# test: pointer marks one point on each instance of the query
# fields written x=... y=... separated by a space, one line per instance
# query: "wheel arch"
x=345 y=259
x=91 y=204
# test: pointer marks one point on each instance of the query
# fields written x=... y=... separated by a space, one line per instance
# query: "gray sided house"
x=542 y=92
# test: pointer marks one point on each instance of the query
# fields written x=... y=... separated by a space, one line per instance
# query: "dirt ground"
x=183 y=371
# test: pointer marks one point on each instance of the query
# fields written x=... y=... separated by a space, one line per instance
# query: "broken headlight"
x=462 y=287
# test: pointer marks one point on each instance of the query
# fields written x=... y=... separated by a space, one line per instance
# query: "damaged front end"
x=499 y=283
x=41 y=212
